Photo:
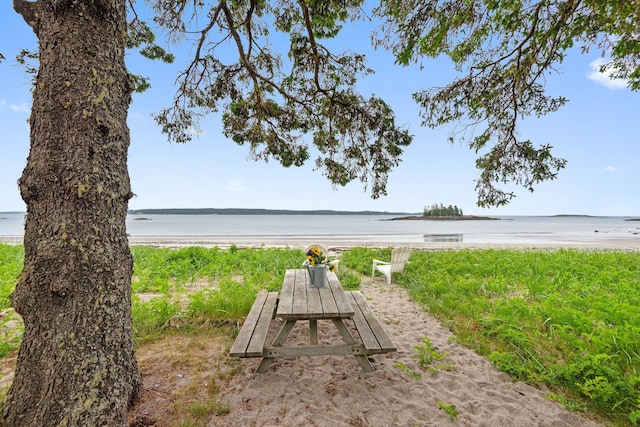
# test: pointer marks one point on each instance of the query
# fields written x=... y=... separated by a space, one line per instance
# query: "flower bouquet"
x=316 y=263
x=316 y=256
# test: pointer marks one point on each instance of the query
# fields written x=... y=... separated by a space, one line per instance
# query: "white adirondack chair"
x=399 y=257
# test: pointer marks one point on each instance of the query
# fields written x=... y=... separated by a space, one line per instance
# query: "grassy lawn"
x=563 y=320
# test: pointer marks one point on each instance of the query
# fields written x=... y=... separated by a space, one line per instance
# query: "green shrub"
x=349 y=281
x=232 y=300
x=153 y=317
x=361 y=259
x=11 y=261
x=565 y=318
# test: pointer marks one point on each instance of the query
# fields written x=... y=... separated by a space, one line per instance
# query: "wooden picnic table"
x=298 y=301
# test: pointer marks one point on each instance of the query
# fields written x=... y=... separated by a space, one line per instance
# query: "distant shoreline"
x=246 y=211
x=400 y=216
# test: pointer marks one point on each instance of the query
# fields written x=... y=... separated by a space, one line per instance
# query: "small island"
x=443 y=213
x=445 y=218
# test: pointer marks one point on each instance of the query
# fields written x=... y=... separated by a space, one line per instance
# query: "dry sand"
x=339 y=245
x=334 y=391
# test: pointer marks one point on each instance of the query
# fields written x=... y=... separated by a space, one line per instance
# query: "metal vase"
x=317 y=275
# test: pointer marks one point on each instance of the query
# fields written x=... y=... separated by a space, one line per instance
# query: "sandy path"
x=334 y=391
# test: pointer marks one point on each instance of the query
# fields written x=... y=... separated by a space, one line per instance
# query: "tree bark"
x=76 y=365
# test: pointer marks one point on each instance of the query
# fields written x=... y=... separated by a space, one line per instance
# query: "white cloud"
x=605 y=78
x=237 y=186
x=23 y=108
x=611 y=169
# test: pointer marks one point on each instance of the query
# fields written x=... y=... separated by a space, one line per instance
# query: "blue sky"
x=597 y=132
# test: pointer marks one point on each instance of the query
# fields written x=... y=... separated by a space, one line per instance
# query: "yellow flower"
x=315 y=256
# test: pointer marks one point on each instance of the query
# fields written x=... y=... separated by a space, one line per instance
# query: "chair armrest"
x=377 y=262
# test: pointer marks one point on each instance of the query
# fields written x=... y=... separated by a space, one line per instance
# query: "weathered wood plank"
x=285 y=306
x=315 y=350
x=314 y=303
x=343 y=306
x=277 y=342
x=256 y=345
x=364 y=330
x=298 y=300
x=239 y=347
x=329 y=307
x=384 y=342
x=301 y=275
x=313 y=332
x=300 y=295
x=349 y=339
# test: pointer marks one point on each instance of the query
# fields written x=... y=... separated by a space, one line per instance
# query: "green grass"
x=166 y=270
x=11 y=258
x=192 y=286
x=567 y=320
x=564 y=320
x=199 y=286
x=449 y=409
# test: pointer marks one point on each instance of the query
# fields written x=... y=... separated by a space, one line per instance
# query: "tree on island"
x=441 y=210
x=76 y=365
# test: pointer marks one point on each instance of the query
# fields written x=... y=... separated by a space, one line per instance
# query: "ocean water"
x=367 y=229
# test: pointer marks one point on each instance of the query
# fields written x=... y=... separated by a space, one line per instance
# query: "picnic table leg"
x=313 y=331
x=349 y=339
x=277 y=342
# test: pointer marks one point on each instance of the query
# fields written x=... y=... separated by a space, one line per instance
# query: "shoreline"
x=433 y=242
x=341 y=242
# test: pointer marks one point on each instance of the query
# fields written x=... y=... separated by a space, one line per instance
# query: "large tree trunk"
x=76 y=365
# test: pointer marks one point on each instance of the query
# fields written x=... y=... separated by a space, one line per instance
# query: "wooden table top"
x=299 y=301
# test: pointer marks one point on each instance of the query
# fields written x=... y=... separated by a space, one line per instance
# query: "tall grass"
x=11 y=259
x=199 y=286
x=165 y=270
x=567 y=320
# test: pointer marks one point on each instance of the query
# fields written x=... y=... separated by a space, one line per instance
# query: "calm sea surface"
x=366 y=229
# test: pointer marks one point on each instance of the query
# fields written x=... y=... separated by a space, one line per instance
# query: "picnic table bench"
x=298 y=301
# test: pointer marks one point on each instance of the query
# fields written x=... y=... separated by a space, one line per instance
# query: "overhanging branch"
x=29 y=12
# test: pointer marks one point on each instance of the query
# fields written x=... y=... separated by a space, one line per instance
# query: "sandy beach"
x=338 y=245
x=334 y=391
